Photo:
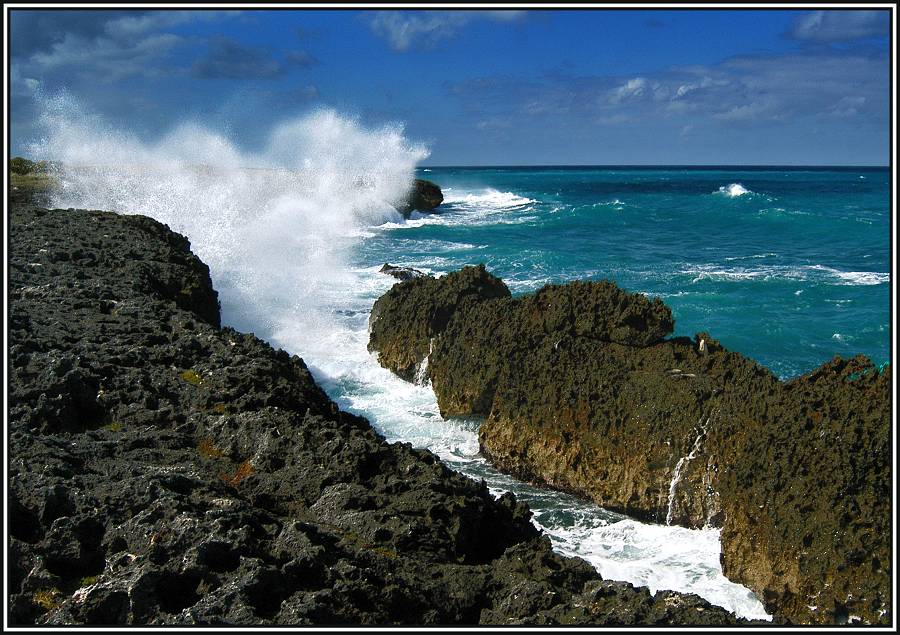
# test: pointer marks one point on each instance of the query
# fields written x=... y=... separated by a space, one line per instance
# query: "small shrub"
x=88 y=580
x=47 y=599
x=219 y=408
x=114 y=426
x=191 y=377
x=20 y=165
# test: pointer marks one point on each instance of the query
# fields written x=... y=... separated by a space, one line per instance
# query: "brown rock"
x=581 y=393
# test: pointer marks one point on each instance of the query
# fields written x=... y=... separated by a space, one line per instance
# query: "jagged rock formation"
x=164 y=470
x=581 y=392
x=423 y=196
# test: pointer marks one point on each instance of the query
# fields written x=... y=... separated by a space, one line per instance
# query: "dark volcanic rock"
x=423 y=196
x=165 y=471
x=580 y=392
x=401 y=273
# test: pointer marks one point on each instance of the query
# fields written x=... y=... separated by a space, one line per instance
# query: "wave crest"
x=733 y=190
x=488 y=198
x=275 y=226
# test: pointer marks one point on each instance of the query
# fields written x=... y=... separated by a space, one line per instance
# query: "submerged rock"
x=423 y=196
x=165 y=471
x=581 y=392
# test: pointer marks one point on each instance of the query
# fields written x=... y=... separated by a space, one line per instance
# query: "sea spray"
x=274 y=226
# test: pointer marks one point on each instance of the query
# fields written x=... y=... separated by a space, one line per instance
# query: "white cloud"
x=836 y=25
x=105 y=46
x=748 y=112
x=104 y=59
x=847 y=106
x=403 y=29
x=741 y=91
x=632 y=89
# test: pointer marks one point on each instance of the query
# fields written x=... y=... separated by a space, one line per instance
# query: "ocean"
x=788 y=266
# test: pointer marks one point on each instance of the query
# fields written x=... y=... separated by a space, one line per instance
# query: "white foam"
x=488 y=198
x=855 y=278
x=768 y=254
x=733 y=191
x=615 y=204
x=786 y=272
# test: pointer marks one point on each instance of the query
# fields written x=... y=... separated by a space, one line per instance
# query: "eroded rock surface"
x=581 y=392
x=166 y=471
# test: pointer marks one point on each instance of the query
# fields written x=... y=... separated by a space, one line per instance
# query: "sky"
x=485 y=87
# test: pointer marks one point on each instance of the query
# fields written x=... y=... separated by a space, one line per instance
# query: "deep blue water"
x=787 y=266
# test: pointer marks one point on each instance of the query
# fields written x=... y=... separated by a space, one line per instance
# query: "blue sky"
x=482 y=87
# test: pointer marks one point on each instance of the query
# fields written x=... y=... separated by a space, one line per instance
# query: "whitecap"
x=854 y=278
x=733 y=191
x=488 y=198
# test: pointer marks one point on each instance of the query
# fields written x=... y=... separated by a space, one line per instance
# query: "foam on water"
x=487 y=198
x=277 y=228
x=820 y=273
x=734 y=190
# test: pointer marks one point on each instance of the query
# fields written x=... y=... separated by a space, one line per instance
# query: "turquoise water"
x=787 y=266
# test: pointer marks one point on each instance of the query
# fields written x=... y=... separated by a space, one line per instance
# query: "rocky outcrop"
x=163 y=470
x=404 y=320
x=581 y=392
x=401 y=273
x=423 y=196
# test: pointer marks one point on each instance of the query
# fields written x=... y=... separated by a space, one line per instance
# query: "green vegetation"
x=33 y=182
x=191 y=377
x=20 y=165
x=113 y=426
x=88 y=580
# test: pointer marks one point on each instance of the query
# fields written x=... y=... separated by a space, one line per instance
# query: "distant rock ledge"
x=582 y=391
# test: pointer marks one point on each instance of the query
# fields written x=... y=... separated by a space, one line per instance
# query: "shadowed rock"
x=581 y=392
x=423 y=196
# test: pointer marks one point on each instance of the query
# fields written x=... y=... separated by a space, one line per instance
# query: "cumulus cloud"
x=835 y=25
x=632 y=89
x=405 y=29
x=100 y=46
x=740 y=91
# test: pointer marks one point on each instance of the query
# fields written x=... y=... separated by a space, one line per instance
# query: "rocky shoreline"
x=582 y=390
x=164 y=470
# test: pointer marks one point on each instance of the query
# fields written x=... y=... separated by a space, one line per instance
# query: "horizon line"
x=847 y=166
